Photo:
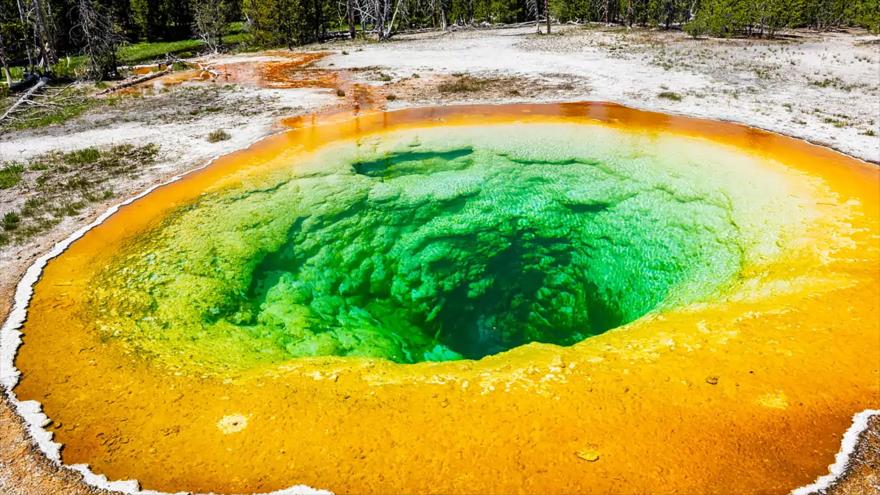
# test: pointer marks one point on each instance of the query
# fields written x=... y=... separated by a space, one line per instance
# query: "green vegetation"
x=11 y=221
x=144 y=51
x=59 y=185
x=724 y=17
x=58 y=115
x=766 y=17
x=669 y=95
x=10 y=175
x=85 y=156
x=67 y=104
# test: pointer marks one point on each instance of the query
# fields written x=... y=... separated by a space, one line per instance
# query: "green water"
x=432 y=245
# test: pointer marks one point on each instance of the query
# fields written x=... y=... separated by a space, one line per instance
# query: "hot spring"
x=471 y=300
x=434 y=245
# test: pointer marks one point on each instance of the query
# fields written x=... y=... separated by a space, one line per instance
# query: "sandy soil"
x=823 y=88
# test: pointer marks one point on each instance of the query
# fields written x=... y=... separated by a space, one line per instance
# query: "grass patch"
x=59 y=185
x=55 y=117
x=68 y=104
x=82 y=157
x=145 y=51
x=70 y=67
x=10 y=175
x=218 y=135
x=670 y=95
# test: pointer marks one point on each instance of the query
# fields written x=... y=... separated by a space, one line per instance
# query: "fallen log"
x=138 y=80
x=26 y=82
x=25 y=97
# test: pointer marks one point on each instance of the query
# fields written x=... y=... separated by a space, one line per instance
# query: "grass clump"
x=10 y=175
x=670 y=95
x=59 y=115
x=835 y=122
x=218 y=135
x=84 y=156
x=32 y=207
x=11 y=221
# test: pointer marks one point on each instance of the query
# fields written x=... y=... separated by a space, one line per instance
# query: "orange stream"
x=735 y=397
x=291 y=72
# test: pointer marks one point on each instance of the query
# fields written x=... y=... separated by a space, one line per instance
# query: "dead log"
x=144 y=78
x=25 y=97
x=26 y=82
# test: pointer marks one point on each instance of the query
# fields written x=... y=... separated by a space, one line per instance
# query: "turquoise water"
x=432 y=245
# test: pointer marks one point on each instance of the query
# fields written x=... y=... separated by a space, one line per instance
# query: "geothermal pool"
x=540 y=298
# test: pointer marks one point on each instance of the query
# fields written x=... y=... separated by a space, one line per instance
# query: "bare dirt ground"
x=863 y=473
x=821 y=87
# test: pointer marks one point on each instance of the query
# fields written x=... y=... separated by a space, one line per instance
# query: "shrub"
x=11 y=221
x=218 y=135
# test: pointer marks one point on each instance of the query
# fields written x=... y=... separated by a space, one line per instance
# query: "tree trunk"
x=385 y=32
x=319 y=14
x=349 y=14
x=5 y=64
x=547 y=14
x=47 y=52
x=381 y=14
x=36 y=87
x=138 y=80
x=27 y=46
